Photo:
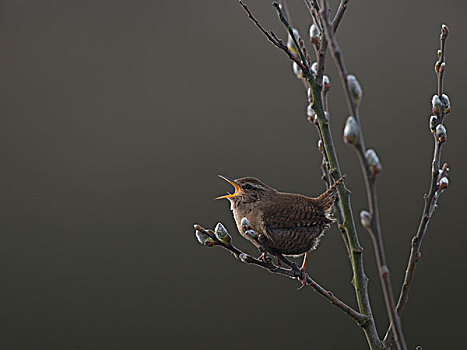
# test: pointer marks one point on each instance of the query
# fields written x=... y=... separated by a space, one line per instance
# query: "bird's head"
x=247 y=190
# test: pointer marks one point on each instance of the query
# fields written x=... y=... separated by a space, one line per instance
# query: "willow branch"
x=340 y=216
x=274 y=39
x=321 y=55
x=313 y=8
x=321 y=48
x=339 y=14
x=294 y=273
x=295 y=40
x=432 y=195
x=326 y=177
x=369 y=180
x=360 y=281
x=285 y=8
x=320 y=51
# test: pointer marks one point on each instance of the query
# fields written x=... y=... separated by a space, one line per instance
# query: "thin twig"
x=313 y=9
x=441 y=60
x=286 y=10
x=294 y=272
x=321 y=56
x=430 y=198
x=339 y=14
x=295 y=40
x=369 y=179
x=274 y=39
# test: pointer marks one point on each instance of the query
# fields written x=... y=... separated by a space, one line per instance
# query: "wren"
x=288 y=223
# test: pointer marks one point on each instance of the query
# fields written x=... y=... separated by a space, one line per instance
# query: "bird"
x=288 y=224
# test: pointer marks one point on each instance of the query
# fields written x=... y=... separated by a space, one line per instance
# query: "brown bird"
x=290 y=224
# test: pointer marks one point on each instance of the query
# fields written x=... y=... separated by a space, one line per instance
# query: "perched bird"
x=290 y=224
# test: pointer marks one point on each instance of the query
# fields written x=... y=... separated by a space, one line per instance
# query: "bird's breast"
x=253 y=215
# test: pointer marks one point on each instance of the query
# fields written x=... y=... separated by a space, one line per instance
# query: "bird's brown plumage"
x=292 y=223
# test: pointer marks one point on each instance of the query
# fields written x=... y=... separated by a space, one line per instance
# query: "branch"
x=339 y=14
x=284 y=7
x=326 y=177
x=221 y=238
x=320 y=43
x=292 y=35
x=321 y=49
x=274 y=39
x=313 y=9
x=439 y=182
x=360 y=281
x=368 y=171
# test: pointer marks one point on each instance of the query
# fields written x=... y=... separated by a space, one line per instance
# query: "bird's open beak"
x=236 y=187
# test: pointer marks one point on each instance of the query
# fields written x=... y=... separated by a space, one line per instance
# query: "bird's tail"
x=328 y=198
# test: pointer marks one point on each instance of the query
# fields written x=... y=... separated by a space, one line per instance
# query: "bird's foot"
x=303 y=271
x=302 y=278
x=278 y=264
x=279 y=261
x=262 y=257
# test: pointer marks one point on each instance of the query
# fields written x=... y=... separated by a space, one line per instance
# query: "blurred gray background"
x=117 y=117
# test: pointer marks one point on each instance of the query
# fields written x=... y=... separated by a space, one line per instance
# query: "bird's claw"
x=279 y=261
x=262 y=257
x=302 y=278
x=303 y=271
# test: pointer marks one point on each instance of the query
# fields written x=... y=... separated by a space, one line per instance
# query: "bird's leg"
x=262 y=248
x=286 y=261
x=305 y=259
x=279 y=261
x=264 y=253
x=262 y=257
x=303 y=269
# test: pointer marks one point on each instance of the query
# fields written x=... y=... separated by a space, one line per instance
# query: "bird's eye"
x=248 y=187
